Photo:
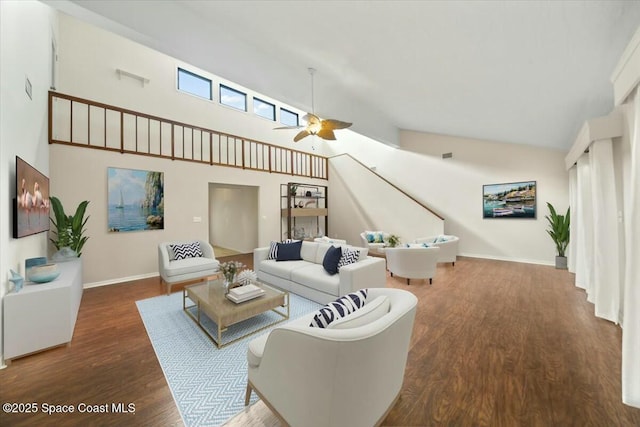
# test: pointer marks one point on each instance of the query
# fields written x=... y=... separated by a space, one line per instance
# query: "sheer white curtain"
x=631 y=325
x=606 y=284
x=584 y=227
x=573 y=232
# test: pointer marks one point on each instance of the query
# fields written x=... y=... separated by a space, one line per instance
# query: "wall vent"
x=447 y=155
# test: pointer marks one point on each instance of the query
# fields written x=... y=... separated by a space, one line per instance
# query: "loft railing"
x=82 y=122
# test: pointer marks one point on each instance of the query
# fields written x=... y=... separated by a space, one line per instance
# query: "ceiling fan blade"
x=335 y=124
x=311 y=118
x=288 y=127
x=326 y=134
x=300 y=135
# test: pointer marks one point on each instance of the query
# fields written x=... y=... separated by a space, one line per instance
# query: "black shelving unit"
x=303 y=204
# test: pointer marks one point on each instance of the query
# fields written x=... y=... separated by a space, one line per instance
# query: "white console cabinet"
x=44 y=315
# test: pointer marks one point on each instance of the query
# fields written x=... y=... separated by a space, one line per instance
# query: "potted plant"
x=69 y=229
x=393 y=240
x=559 y=232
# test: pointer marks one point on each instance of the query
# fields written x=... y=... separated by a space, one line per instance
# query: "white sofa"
x=309 y=279
x=187 y=270
x=314 y=377
x=448 y=246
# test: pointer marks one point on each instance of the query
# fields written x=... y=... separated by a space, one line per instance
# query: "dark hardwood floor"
x=494 y=344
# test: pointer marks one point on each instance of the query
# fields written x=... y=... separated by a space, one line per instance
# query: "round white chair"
x=412 y=263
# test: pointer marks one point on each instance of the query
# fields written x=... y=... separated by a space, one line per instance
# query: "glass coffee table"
x=209 y=299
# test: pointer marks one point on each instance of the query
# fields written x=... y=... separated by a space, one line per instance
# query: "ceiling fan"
x=315 y=125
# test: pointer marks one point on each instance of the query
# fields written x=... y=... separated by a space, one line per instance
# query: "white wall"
x=453 y=188
x=233 y=217
x=27 y=30
x=360 y=200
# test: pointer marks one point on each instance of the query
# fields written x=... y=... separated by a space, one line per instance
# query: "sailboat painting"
x=135 y=200
x=510 y=200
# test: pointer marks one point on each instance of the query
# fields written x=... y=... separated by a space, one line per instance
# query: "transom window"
x=233 y=98
x=194 y=84
x=264 y=109
x=288 y=118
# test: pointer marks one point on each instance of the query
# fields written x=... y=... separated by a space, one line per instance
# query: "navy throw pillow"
x=331 y=259
x=289 y=251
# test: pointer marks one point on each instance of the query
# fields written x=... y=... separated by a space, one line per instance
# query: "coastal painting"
x=510 y=200
x=136 y=200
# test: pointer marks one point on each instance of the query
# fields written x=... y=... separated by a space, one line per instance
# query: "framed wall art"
x=509 y=200
x=136 y=200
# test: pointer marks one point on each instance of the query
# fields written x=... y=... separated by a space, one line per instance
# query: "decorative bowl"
x=43 y=273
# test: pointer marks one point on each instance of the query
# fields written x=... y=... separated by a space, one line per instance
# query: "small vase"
x=228 y=284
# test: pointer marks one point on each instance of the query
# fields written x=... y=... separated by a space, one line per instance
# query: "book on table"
x=244 y=293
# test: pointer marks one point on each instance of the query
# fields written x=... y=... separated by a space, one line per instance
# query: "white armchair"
x=190 y=269
x=448 y=247
x=413 y=263
x=313 y=377
x=375 y=241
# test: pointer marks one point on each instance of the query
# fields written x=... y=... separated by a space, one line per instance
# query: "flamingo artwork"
x=31 y=202
x=38 y=201
x=26 y=200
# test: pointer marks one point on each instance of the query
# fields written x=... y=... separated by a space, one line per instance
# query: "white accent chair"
x=448 y=246
x=314 y=377
x=189 y=270
x=375 y=248
x=413 y=263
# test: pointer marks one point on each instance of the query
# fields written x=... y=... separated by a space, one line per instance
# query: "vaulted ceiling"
x=528 y=72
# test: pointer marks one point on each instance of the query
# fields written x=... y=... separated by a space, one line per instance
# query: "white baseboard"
x=120 y=280
x=498 y=258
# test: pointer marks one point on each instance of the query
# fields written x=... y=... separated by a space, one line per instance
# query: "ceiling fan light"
x=314 y=127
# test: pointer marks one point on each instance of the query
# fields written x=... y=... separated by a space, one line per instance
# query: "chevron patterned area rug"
x=207 y=383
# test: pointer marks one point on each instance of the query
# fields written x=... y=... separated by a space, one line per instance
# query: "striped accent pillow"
x=349 y=256
x=354 y=300
x=186 y=250
x=273 y=248
x=273 y=251
x=339 y=308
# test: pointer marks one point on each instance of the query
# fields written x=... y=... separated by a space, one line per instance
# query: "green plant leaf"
x=69 y=229
x=58 y=210
x=76 y=223
x=559 y=228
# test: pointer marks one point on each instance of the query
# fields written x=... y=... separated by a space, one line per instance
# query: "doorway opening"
x=233 y=219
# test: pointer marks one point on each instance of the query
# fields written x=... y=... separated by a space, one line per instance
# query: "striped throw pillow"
x=339 y=308
x=273 y=248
